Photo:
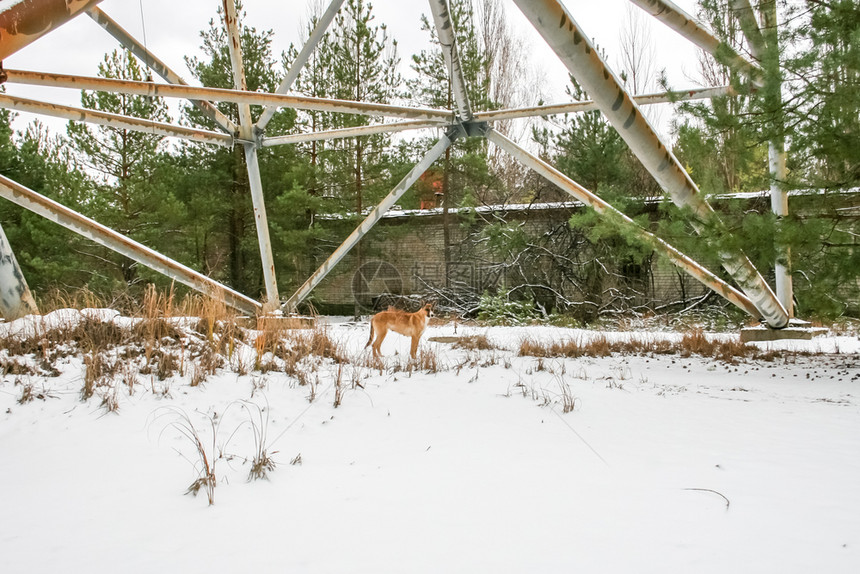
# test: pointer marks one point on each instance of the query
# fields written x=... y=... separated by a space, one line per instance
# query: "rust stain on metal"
x=33 y=17
x=25 y=21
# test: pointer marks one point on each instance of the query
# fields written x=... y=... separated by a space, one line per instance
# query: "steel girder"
x=565 y=38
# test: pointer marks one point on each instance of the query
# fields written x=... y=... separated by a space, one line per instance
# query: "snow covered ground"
x=665 y=464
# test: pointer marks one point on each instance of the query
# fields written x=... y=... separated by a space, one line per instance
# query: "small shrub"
x=499 y=310
x=568 y=401
x=98 y=369
x=12 y=366
x=129 y=377
x=242 y=363
x=167 y=364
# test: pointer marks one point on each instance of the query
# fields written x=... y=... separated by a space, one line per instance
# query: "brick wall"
x=410 y=246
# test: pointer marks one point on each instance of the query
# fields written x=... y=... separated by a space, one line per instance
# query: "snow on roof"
x=396 y=212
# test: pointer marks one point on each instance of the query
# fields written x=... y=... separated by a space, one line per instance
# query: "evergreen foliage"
x=130 y=194
x=192 y=202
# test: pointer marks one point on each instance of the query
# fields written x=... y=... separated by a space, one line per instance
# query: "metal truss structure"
x=549 y=17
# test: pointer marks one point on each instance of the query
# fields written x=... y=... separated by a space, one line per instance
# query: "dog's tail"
x=370 y=340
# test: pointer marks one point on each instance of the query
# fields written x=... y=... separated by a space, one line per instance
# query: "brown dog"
x=407 y=324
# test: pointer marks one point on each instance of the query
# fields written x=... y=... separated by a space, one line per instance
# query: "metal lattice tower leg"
x=552 y=21
x=16 y=300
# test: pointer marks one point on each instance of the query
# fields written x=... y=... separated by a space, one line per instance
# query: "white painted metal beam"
x=114 y=120
x=246 y=126
x=301 y=59
x=16 y=301
x=86 y=227
x=130 y=43
x=431 y=156
x=575 y=50
x=223 y=95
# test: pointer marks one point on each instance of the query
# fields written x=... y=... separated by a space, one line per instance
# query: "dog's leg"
x=380 y=336
x=415 y=346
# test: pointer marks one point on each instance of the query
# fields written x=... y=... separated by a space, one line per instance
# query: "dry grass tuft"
x=204 y=457
x=300 y=343
x=167 y=363
x=338 y=387
x=475 y=343
x=81 y=298
x=599 y=346
x=27 y=392
x=568 y=401
x=97 y=368
x=110 y=399
x=12 y=366
x=428 y=360
x=261 y=462
x=693 y=342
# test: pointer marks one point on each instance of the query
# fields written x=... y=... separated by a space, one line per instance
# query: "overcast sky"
x=172 y=30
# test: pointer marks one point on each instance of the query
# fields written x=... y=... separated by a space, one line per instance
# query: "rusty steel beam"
x=584 y=62
x=352 y=132
x=301 y=59
x=234 y=46
x=16 y=301
x=23 y=21
x=223 y=95
x=246 y=127
x=431 y=156
x=687 y=26
x=114 y=120
x=588 y=105
x=685 y=263
x=448 y=42
x=86 y=227
x=163 y=70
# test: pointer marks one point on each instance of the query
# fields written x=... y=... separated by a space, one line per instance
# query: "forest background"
x=193 y=202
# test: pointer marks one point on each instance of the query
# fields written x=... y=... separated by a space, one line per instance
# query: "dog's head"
x=428 y=308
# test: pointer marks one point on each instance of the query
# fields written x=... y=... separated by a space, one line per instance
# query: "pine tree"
x=590 y=151
x=364 y=65
x=465 y=169
x=357 y=60
x=50 y=256
x=129 y=197
x=824 y=80
x=464 y=176
x=721 y=142
x=216 y=183
x=724 y=146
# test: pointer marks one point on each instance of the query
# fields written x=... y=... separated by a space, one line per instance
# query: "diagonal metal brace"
x=373 y=217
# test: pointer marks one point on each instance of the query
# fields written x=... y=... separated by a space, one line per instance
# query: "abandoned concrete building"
x=524 y=250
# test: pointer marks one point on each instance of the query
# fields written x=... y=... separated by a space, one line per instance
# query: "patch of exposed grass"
x=693 y=342
x=474 y=343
